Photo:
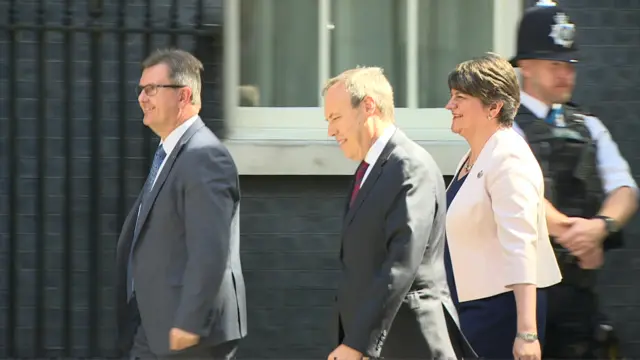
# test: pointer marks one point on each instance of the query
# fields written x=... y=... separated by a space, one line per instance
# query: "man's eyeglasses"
x=152 y=89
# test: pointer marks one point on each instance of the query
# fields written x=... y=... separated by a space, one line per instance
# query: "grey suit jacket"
x=393 y=299
x=186 y=260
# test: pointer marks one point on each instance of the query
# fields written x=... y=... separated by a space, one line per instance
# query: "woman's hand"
x=526 y=350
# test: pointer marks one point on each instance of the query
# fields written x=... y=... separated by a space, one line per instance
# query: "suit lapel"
x=150 y=198
x=476 y=171
x=348 y=197
x=369 y=183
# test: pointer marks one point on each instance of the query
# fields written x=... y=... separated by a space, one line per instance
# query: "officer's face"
x=549 y=81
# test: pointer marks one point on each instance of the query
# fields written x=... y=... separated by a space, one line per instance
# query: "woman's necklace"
x=468 y=165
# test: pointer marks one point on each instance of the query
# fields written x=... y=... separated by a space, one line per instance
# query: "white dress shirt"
x=171 y=141
x=613 y=168
x=376 y=149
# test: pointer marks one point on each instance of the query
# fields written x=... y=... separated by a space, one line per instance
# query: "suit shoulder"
x=414 y=160
x=204 y=138
x=204 y=141
x=204 y=149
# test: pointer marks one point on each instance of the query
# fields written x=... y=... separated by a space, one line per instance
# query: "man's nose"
x=331 y=131
x=142 y=97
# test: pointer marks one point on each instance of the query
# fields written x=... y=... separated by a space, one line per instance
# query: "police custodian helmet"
x=546 y=33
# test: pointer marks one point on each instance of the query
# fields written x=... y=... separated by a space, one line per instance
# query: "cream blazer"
x=496 y=226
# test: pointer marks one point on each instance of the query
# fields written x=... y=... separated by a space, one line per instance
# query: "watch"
x=528 y=337
x=609 y=224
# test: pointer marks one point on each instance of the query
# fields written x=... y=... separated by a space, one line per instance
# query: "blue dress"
x=489 y=324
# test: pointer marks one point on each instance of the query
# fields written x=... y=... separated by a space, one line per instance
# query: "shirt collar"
x=376 y=149
x=537 y=107
x=172 y=140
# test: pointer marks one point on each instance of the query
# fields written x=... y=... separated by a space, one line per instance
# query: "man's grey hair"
x=184 y=69
x=366 y=81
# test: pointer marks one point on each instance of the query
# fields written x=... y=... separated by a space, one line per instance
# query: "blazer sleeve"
x=515 y=193
x=210 y=200
x=407 y=229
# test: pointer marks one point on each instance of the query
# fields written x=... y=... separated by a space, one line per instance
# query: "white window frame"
x=294 y=141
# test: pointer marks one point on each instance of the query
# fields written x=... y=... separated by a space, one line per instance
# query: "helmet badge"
x=562 y=32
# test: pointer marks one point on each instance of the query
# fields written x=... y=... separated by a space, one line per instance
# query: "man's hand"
x=583 y=235
x=592 y=260
x=180 y=339
x=343 y=352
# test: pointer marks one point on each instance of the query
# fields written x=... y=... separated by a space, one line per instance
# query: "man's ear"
x=185 y=96
x=369 y=105
x=525 y=67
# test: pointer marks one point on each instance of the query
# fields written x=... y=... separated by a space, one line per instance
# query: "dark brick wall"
x=290 y=245
x=289 y=225
x=107 y=169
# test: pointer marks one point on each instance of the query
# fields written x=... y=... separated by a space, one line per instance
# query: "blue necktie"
x=552 y=115
x=158 y=158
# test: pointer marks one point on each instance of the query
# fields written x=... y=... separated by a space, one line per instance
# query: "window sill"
x=318 y=157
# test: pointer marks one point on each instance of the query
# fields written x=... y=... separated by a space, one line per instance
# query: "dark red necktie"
x=362 y=169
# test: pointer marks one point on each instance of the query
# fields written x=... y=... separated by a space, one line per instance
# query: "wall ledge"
x=300 y=157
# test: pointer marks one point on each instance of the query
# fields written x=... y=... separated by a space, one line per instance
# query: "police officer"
x=589 y=188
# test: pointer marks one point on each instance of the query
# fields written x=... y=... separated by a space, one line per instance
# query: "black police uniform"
x=576 y=329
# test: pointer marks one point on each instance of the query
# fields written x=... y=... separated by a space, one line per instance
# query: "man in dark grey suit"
x=179 y=280
x=393 y=299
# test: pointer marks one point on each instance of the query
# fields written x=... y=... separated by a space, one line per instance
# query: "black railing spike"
x=173 y=15
x=41 y=192
x=12 y=189
x=68 y=230
x=95 y=209
x=96 y=8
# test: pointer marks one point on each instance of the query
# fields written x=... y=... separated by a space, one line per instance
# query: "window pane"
x=279 y=53
x=450 y=32
x=371 y=33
